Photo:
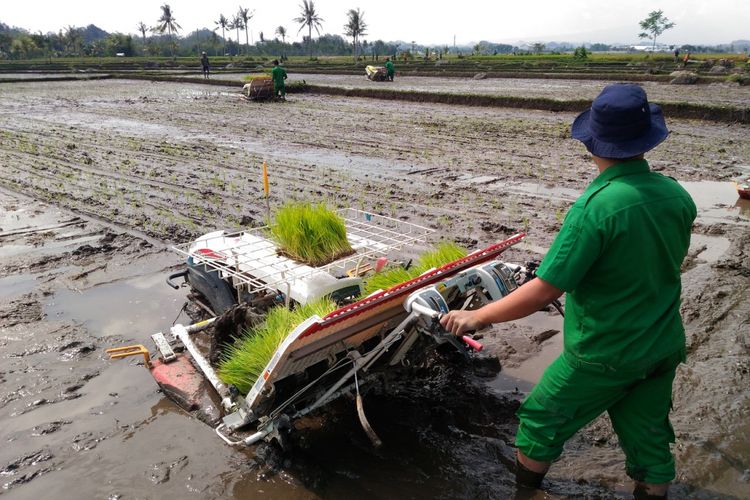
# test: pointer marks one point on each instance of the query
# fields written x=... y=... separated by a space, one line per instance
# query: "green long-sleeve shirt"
x=278 y=74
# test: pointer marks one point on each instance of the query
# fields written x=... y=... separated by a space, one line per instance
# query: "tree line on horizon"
x=162 y=39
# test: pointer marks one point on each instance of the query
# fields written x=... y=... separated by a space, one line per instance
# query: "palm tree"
x=214 y=41
x=223 y=22
x=311 y=19
x=230 y=27
x=168 y=23
x=355 y=27
x=238 y=25
x=143 y=28
x=245 y=15
x=281 y=31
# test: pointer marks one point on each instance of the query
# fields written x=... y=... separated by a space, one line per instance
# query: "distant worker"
x=687 y=59
x=389 y=69
x=676 y=55
x=623 y=334
x=278 y=75
x=204 y=63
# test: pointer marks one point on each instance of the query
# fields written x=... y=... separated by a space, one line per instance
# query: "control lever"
x=435 y=315
x=472 y=343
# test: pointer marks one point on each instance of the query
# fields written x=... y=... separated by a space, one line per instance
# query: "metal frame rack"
x=252 y=260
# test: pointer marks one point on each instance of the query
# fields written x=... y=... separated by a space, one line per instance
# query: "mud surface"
x=111 y=170
x=47 y=76
x=717 y=93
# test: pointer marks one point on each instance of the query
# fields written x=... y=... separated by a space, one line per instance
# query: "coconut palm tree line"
x=308 y=18
x=168 y=23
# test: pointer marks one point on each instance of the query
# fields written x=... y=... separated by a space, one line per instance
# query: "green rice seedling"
x=387 y=278
x=444 y=253
x=309 y=233
x=244 y=361
x=256 y=76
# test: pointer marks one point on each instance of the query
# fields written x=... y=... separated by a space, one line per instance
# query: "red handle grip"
x=472 y=343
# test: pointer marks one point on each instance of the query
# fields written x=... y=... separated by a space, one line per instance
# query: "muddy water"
x=119 y=308
x=520 y=376
x=718 y=201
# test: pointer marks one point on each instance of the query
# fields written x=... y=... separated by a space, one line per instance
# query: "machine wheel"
x=217 y=292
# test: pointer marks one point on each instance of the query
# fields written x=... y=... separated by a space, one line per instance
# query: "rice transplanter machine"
x=326 y=357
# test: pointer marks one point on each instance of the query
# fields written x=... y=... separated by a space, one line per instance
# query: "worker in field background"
x=618 y=257
x=204 y=64
x=390 y=70
x=278 y=75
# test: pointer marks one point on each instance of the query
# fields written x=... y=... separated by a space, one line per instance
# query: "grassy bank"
x=727 y=114
x=598 y=64
x=613 y=68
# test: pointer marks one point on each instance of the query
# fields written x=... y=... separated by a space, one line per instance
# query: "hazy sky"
x=697 y=21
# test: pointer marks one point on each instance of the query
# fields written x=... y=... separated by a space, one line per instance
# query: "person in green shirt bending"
x=278 y=75
x=390 y=70
x=618 y=257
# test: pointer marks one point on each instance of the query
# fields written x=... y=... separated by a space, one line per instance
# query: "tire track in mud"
x=151 y=182
x=122 y=182
x=109 y=148
x=467 y=141
x=438 y=137
x=84 y=202
x=144 y=185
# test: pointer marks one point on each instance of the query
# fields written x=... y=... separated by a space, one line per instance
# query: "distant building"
x=651 y=48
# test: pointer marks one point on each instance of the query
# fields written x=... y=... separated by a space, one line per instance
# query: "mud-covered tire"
x=217 y=292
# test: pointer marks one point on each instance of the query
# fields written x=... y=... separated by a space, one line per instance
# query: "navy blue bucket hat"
x=620 y=123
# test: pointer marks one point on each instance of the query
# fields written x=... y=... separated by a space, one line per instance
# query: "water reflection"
x=717 y=200
x=743 y=207
x=135 y=308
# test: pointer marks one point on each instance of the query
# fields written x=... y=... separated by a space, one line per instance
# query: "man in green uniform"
x=618 y=257
x=390 y=70
x=278 y=75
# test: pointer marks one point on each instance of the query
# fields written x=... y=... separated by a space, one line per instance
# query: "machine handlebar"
x=435 y=315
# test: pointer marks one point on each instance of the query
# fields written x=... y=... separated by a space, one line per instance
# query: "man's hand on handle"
x=460 y=322
x=528 y=299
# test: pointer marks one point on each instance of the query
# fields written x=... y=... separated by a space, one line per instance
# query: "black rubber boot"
x=526 y=478
x=640 y=493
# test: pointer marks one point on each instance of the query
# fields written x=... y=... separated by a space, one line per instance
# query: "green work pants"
x=279 y=89
x=573 y=392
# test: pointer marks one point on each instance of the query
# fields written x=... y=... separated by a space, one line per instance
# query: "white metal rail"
x=250 y=259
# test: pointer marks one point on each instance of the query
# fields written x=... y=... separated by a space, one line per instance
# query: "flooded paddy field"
x=717 y=94
x=99 y=177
